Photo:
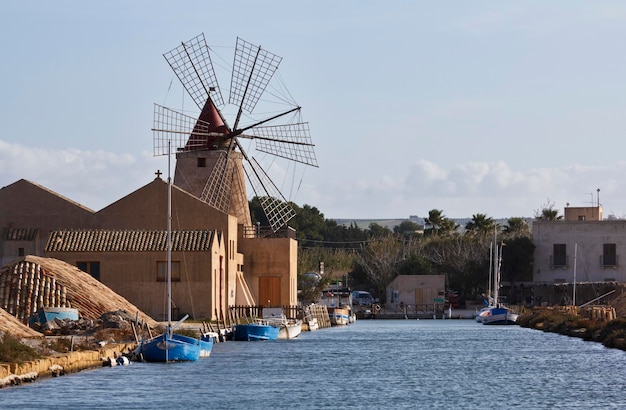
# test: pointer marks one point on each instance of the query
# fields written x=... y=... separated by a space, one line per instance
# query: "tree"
x=480 y=225
x=517 y=227
x=378 y=231
x=380 y=260
x=407 y=228
x=310 y=281
x=548 y=212
x=437 y=224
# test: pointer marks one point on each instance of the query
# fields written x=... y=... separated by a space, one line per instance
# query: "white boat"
x=500 y=316
x=338 y=301
x=288 y=328
x=497 y=314
x=482 y=313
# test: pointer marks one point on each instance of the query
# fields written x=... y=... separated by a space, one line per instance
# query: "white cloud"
x=91 y=178
x=98 y=178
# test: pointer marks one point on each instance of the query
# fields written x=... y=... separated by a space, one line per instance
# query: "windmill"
x=211 y=161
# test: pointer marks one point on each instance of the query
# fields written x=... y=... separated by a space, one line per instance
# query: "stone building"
x=581 y=249
x=216 y=262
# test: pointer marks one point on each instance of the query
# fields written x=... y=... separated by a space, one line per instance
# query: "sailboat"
x=497 y=313
x=169 y=346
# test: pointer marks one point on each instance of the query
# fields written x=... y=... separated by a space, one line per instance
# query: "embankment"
x=60 y=364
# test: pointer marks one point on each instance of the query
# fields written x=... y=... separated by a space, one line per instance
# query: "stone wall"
x=15 y=373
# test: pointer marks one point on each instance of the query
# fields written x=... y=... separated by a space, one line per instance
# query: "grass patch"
x=13 y=351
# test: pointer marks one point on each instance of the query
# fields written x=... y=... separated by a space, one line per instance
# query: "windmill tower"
x=211 y=162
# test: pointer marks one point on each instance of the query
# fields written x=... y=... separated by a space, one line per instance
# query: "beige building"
x=415 y=290
x=581 y=249
x=216 y=262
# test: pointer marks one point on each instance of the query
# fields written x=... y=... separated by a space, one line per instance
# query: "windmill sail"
x=211 y=162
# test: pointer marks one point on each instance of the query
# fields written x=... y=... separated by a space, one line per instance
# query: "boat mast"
x=169 y=242
x=574 y=291
x=490 y=269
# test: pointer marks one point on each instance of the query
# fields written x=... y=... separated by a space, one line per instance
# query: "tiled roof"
x=19 y=234
x=106 y=240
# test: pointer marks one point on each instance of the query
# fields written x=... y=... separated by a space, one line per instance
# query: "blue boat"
x=170 y=347
x=206 y=344
x=48 y=314
x=257 y=330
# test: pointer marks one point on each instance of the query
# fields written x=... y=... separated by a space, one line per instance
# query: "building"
x=216 y=262
x=419 y=291
x=578 y=257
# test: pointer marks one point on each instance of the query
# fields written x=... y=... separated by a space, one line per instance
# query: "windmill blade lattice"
x=276 y=208
x=253 y=68
x=290 y=141
x=221 y=180
x=183 y=131
x=191 y=61
x=217 y=190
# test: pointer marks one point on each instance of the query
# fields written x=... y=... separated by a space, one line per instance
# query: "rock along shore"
x=62 y=363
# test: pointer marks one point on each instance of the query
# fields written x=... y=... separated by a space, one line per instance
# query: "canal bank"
x=61 y=364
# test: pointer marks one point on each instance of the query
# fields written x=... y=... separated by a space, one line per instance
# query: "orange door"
x=269 y=291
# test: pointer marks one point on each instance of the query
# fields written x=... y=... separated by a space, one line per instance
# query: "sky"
x=490 y=107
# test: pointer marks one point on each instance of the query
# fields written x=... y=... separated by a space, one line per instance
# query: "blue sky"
x=469 y=107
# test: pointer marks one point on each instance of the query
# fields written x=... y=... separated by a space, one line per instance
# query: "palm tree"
x=480 y=225
x=434 y=221
x=517 y=227
x=548 y=212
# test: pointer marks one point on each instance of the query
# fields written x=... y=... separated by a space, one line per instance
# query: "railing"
x=259 y=231
x=410 y=311
x=238 y=313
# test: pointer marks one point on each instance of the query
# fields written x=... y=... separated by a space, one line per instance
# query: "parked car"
x=361 y=297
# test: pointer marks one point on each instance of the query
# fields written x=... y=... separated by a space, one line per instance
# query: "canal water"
x=416 y=364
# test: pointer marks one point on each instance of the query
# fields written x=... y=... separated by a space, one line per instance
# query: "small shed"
x=416 y=290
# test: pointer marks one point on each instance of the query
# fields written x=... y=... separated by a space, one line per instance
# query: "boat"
x=48 y=314
x=206 y=343
x=500 y=315
x=169 y=346
x=256 y=330
x=287 y=328
x=338 y=301
x=497 y=313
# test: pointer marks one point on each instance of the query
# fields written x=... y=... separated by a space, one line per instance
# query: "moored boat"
x=338 y=301
x=257 y=330
x=288 y=328
x=339 y=316
x=499 y=316
x=206 y=344
x=170 y=347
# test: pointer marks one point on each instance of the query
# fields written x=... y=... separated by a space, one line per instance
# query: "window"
x=559 y=254
x=92 y=268
x=20 y=251
x=609 y=254
x=201 y=162
x=162 y=271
